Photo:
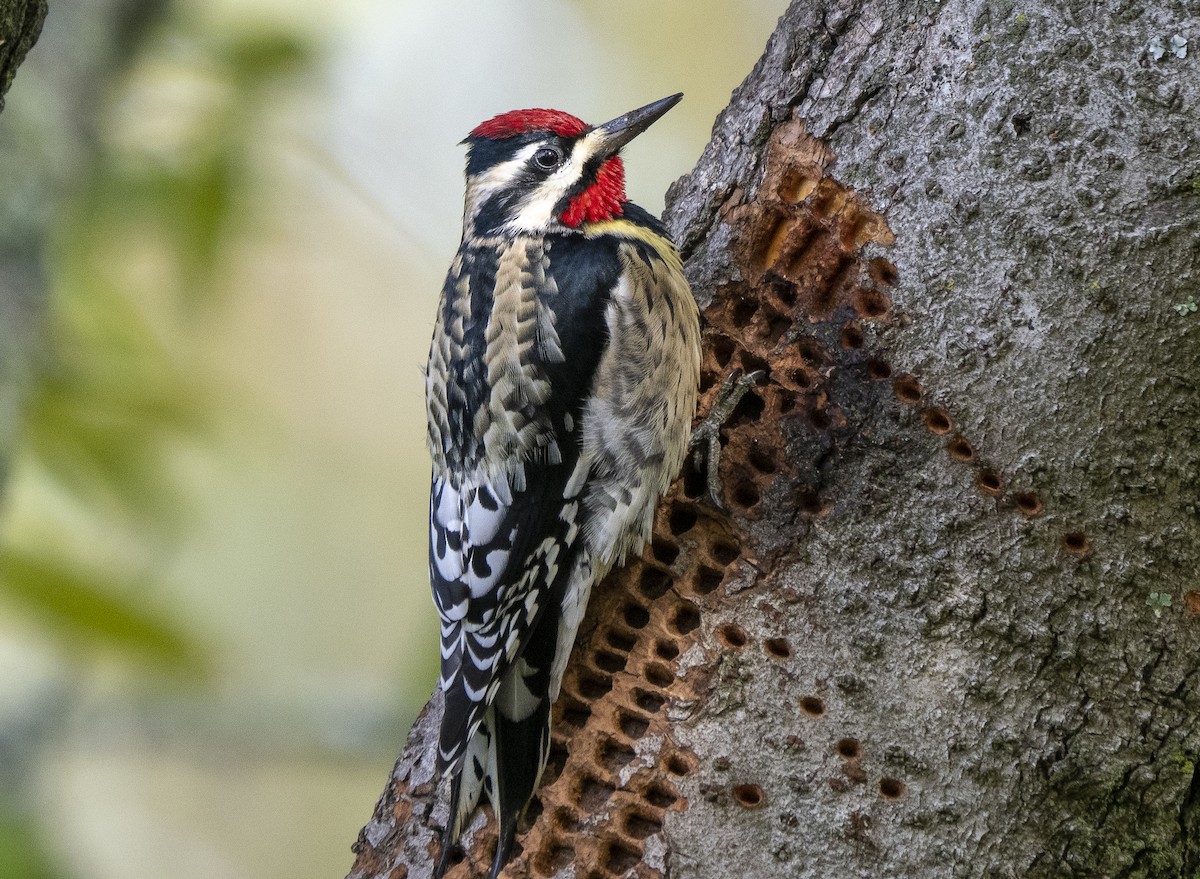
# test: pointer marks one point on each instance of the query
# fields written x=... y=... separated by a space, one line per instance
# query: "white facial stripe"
x=496 y=178
x=537 y=212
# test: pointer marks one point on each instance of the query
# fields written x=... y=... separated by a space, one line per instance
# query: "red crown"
x=520 y=121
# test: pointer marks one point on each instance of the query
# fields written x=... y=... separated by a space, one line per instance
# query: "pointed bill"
x=620 y=131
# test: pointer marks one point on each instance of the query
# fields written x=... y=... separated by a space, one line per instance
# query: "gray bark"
x=948 y=628
x=20 y=24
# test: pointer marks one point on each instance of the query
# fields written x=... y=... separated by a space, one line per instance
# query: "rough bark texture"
x=20 y=24
x=949 y=627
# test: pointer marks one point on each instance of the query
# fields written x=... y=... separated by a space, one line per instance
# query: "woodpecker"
x=560 y=389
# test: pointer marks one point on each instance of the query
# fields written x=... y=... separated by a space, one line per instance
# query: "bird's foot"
x=705 y=443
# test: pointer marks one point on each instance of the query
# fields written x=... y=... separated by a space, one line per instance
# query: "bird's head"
x=531 y=171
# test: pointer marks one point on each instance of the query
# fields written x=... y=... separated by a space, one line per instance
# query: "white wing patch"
x=464 y=526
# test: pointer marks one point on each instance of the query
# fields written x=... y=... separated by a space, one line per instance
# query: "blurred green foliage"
x=21 y=856
x=115 y=393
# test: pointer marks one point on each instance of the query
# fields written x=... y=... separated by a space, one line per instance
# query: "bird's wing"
x=501 y=536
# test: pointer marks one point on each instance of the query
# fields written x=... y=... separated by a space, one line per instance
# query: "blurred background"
x=223 y=229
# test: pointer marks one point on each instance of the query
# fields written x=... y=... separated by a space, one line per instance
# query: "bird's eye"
x=547 y=158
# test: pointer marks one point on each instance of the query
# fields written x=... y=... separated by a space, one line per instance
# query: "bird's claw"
x=706 y=438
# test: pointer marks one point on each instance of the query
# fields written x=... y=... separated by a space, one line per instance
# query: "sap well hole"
x=960 y=449
x=748 y=410
x=808 y=502
x=575 y=715
x=648 y=701
x=609 y=662
x=664 y=551
x=559 y=855
x=620 y=640
x=811 y=351
x=743 y=312
x=594 y=793
x=749 y=796
x=681 y=520
x=1028 y=503
x=615 y=755
x=907 y=389
x=851 y=337
x=660 y=797
x=725 y=553
x=883 y=272
x=813 y=706
x=878 y=370
x=753 y=363
x=694 y=482
x=686 y=619
x=658 y=674
x=891 y=788
x=593 y=686
x=707 y=580
x=937 y=420
x=666 y=650
x=848 y=748
x=636 y=616
x=871 y=304
x=677 y=764
x=762 y=461
x=803 y=378
x=566 y=820
x=640 y=826
x=775 y=328
x=732 y=635
x=777 y=648
x=989 y=481
x=785 y=292
x=621 y=857
x=633 y=726
x=819 y=419
x=653 y=583
x=1076 y=543
x=722 y=348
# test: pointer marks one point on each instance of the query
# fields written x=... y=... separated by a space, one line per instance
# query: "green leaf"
x=99 y=610
x=21 y=855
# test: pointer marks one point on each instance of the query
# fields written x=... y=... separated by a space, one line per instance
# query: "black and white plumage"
x=561 y=385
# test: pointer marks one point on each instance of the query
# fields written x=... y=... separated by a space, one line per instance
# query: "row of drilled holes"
x=939 y=422
x=869 y=304
x=638 y=820
x=751 y=796
x=612 y=656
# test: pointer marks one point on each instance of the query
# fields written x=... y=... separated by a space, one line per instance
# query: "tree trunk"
x=946 y=628
x=20 y=24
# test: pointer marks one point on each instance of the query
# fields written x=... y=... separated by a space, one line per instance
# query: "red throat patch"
x=517 y=122
x=602 y=200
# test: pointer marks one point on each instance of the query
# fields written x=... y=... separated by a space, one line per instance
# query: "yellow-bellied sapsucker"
x=561 y=386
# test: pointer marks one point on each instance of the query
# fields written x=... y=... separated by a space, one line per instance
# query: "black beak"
x=623 y=129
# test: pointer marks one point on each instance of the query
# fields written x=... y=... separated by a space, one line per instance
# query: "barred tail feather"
x=472 y=780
